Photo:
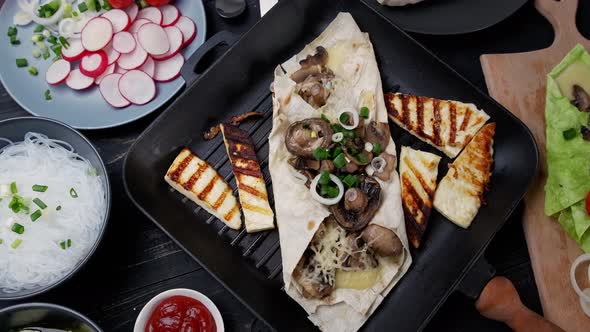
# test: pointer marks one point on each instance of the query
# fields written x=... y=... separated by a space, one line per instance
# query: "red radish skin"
x=169 y=70
x=96 y=34
x=151 y=13
x=74 y=52
x=188 y=28
x=132 y=11
x=112 y=54
x=153 y=39
x=109 y=89
x=176 y=41
x=134 y=59
x=119 y=19
x=94 y=64
x=137 y=87
x=149 y=67
x=170 y=15
x=124 y=42
x=78 y=81
x=138 y=24
x=58 y=72
x=110 y=69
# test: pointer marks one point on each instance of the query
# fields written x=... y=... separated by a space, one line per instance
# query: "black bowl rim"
x=108 y=193
x=41 y=305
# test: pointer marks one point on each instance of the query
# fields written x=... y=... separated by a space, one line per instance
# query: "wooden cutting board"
x=518 y=82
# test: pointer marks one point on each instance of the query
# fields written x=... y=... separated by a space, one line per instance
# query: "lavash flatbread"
x=353 y=62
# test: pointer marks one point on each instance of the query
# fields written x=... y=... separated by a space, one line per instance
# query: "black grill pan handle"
x=496 y=298
x=220 y=38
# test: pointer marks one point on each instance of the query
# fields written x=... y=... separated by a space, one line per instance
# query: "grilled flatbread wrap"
x=357 y=79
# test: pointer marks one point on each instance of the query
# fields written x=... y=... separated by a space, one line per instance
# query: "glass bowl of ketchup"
x=179 y=310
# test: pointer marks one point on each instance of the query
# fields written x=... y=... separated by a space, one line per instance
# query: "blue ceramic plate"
x=79 y=109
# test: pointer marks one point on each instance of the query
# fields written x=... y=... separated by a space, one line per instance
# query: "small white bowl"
x=147 y=310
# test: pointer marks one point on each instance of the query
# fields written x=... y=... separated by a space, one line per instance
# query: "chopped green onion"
x=329 y=191
x=46 y=33
x=52 y=40
x=42 y=46
x=106 y=5
x=325 y=118
x=39 y=28
x=36 y=54
x=17 y=228
x=14 y=40
x=37 y=38
x=364 y=113
x=33 y=71
x=36 y=215
x=1 y=241
x=58 y=208
x=337 y=151
x=362 y=158
x=337 y=128
x=46 y=55
x=340 y=161
x=73 y=193
x=47 y=10
x=48 y=94
x=21 y=62
x=377 y=149
x=64 y=42
x=62 y=244
x=16 y=243
x=13 y=188
x=349 y=133
x=324 y=178
x=68 y=10
x=321 y=154
x=56 y=49
x=350 y=181
x=82 y=7
x=69 y=243
x=40 y=188
x=75 y=14
x=39 y=203
x=143 y=4
x=570 y=134
x=12 y=31
x=344 y=117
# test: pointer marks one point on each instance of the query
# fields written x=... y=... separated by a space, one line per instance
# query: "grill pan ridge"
x=249 y=265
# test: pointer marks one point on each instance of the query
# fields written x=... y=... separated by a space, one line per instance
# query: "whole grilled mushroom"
x=355 y=221
x=304 y=136
x=383 y=241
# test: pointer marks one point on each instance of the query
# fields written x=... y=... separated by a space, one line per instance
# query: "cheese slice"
x=418 y=171
x=200 y=182
x=258 y=216
x=445 y=124
x=460 y=192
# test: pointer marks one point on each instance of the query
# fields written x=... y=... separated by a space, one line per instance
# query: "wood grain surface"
x=518 y=81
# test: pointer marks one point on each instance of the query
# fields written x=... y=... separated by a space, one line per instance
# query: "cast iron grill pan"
x=249 y=265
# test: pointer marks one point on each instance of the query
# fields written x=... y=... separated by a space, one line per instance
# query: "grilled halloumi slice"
x=258 y=216
x=418 y=172
x=445 y=124
x=200 y=182
x=460 y=193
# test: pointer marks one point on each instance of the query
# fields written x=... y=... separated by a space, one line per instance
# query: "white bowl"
x=147 y=310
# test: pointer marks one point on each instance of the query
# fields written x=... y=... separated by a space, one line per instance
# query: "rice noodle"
x=39 y=260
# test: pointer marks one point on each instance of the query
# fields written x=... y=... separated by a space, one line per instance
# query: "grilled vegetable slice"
x=418 y=171
x=199 y=182
x=258 y=216
x=460 y=193
x=445 y=124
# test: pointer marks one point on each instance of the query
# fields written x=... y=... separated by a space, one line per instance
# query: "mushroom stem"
x=355 y=200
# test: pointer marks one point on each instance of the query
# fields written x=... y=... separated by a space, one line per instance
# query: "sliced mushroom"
x=314 y=89
x=311 y=289
x=355 y=200
x=319 y=58
x=386 y=171
x=304 y=136
x=350 y=168
x=303 y=73
x=378 y=132
x=304 y=164
x=354 y=221
x=582 y=100
x=383 y=241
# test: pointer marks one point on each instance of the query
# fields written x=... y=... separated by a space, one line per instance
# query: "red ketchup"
x=181 y=314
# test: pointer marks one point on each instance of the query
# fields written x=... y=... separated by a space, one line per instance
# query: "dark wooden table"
x=137 y=261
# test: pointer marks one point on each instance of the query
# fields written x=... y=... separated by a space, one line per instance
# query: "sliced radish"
x=132 y=11
x=119 y=19
x=96 y=34
x=169 y=70
x=79 y=81
x=124 y=42
x=149 y=67
x=188 y=28
x=109 y=89
x=112 y=54
x=94 y=64
x=153 y=39
x=120 y=70
x=58 y=72
x=133 y=60
x=137 y=24
x=151 y=13
x=74 y=52
x=137 y=87
x=176 y=41
x=170 y=15
x=110 y=69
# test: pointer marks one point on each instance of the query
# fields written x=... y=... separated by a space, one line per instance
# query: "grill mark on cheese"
x=420 y=116
x=453 y=120
x=416 y=198
x=205 y=192
x=221 y=198
x=231 y=212
x=257 y=209
x=429 y=191
x=465 y=120
x=177 y=172
x=390 y=98
x=195 y=177
x=252 y=191
x=405 y=111
x=437 y=120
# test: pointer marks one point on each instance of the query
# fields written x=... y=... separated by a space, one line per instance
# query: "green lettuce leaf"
x=576 y=222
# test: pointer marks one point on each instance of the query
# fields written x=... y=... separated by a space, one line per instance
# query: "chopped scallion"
x=82 y=7
x=56 y=49
x=52 y=40
x=48 y=94
x=12 y=31
x=17 y=228
x=325 y=118
x=14 y=40
x=37 y=38
x=69 y=242
x=364 y=113
x=362 y=158
x=324 y=178
x=1 y=241
x=40 y=188
x=377 y=149
x=64 y=42
x=62 y=244
x=36 y=215
x=344 y=117
x=21 y=62
x=39 y=28
x=73 y=193
x=340 y=161
x=321 y=154
x=13 y=188
x=33 y=71
x=39 y=203
x=58 y=208
x=350 y=181
x=16 y=243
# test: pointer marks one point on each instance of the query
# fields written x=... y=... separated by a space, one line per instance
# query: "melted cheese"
x=357 y=279
x=577 y=73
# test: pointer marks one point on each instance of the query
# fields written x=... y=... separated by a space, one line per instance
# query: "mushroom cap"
x=354 y=221
x=582 y=100
x=378 y=132
x=383 y=241
x=300 y=141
